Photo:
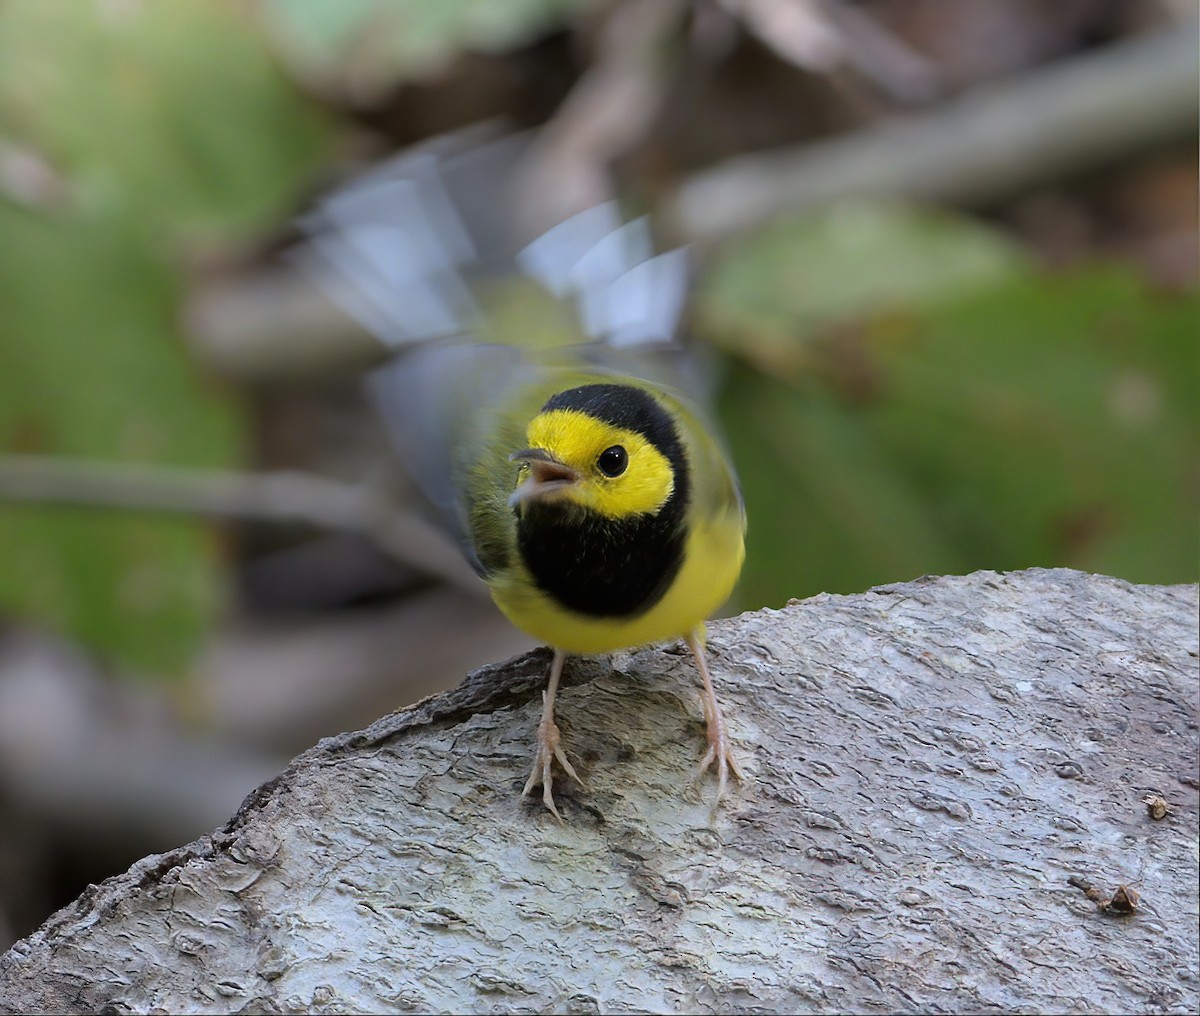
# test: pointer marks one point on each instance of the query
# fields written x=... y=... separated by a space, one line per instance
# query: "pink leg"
x=718 y=738
x=549 y=745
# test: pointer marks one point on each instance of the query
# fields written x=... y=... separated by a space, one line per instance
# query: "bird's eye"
x=612 y=461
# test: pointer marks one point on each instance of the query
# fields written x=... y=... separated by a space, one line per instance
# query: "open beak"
x=548 y=478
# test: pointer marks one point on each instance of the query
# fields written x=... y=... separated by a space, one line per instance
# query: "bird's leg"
x=718 y=737
x=549 y=745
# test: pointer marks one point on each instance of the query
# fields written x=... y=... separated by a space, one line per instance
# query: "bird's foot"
x=719 y=752
x=549 y=748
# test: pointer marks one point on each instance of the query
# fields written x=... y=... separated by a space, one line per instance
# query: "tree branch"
x=946 y=782
x=991 y=142
x=280 y=497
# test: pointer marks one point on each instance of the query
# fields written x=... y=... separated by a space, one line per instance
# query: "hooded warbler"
x=589 y=492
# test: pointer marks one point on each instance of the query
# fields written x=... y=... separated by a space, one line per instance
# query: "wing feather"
x=406 y=250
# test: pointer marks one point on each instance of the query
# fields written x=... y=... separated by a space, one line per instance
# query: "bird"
x=579 y=470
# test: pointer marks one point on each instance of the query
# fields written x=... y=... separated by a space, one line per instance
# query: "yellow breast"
x=712 y=561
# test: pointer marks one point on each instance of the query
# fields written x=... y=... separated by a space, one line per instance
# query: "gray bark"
x=927 y=765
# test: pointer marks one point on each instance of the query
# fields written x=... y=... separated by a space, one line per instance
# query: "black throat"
x=600 y=566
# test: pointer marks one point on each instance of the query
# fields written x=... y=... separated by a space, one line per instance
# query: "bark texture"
x=927 y=765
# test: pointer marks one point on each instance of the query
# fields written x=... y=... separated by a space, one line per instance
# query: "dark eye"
x=612 y=461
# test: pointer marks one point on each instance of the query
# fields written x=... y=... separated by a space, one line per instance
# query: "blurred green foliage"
x=905 y=393
x=365 y=46
x=928 y=414
x=790 y=278
x=165 y=125
x=168 y=118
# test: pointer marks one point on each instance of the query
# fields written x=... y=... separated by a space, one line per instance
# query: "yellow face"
x=618 y=472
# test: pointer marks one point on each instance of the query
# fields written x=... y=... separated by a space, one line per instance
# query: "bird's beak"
x=548 y=478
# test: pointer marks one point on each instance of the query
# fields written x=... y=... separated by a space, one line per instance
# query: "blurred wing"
x=406 y=251
x=625 y=296
x=439 y=404
x=393 y=248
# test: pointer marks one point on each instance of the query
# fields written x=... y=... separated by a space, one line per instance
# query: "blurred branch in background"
x=978 y=148
x=616 y=100
x=823 y=36
x=274 y=328
x=284 y=497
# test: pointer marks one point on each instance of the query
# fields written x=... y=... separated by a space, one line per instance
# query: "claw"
x=549 y=748
x=549 y=744
x=719 y=751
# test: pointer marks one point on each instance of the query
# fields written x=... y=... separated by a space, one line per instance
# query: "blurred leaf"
x=378 y=43
x=162 y=120
x=772 y=290
x=92 y=367
x=1052 y=424
x=828 y=510
x=172 y=114
x=1046 y=421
